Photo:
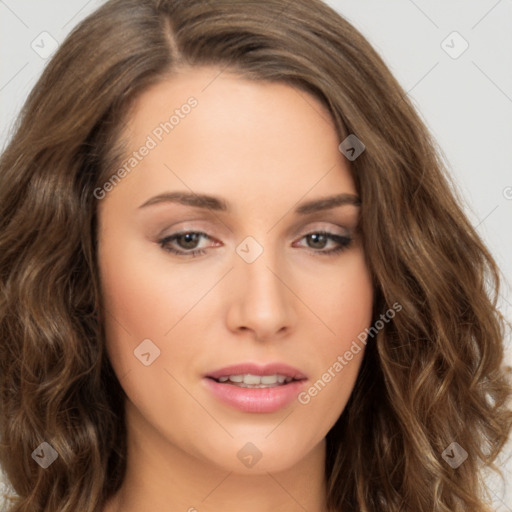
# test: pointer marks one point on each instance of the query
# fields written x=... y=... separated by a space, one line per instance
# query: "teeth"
x=253 y=379
x=256 y=380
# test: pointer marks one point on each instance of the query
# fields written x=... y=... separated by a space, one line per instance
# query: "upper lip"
x=257 y=369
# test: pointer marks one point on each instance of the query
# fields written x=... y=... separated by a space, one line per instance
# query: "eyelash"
x=343 y=241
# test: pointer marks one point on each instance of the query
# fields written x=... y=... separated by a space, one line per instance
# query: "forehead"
x=252 y=139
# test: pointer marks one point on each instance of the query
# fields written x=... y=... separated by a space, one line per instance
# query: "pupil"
x=316 y=237
x=188 y=237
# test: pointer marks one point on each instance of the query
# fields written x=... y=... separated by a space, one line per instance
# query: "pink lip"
x=255 y=399
x=256 y=369
x=258 y=400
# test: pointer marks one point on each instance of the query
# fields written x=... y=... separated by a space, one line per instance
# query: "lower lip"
x=256 y=399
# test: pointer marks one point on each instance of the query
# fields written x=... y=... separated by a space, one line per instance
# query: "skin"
x=264 y=148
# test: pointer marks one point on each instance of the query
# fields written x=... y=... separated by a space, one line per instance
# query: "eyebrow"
x=218 y=204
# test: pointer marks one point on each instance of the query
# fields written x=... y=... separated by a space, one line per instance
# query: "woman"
x=327 y=341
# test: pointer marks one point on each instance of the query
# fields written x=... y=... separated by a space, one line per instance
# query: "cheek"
x=144 y=313
x=345 y=300
x=142 y=290
x=338 y=355
x=140 y=303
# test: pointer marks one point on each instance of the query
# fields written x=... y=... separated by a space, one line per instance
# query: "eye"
x=319 y=239
x=188 y=241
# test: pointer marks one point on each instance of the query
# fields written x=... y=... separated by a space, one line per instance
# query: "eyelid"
x=320 y=226
x=300 y=232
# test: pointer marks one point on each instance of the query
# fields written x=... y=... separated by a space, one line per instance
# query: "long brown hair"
x=433 y=375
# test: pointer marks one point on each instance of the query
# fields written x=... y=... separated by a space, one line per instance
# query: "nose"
x=261 y=299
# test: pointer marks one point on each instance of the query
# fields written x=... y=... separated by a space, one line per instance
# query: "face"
x=258 y=274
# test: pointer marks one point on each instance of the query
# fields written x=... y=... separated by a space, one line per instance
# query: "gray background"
x=465 y=100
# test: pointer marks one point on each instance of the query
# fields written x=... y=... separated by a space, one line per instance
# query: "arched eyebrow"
x=218 y=204
x=327 y=203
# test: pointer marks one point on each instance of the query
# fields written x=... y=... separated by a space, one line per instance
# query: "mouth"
x=255 y=381
x=253 y=388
